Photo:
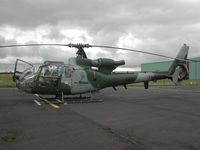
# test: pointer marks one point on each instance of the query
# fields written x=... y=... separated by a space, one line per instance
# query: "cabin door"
x=49 y=79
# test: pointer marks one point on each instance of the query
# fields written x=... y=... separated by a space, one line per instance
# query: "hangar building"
x=194 y=67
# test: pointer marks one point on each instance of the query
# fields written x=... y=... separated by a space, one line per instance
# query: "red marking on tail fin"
x=188 y=67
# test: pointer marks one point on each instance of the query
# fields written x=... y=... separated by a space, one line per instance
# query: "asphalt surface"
x=160 y=118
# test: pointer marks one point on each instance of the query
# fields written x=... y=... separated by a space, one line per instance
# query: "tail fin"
x=178 y=70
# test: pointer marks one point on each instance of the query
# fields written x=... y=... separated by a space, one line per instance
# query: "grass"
x=6 y=81
x=8 y=138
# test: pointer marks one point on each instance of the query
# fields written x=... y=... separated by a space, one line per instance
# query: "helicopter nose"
x=26 y=85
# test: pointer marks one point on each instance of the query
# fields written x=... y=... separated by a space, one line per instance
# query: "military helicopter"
x=83 y=75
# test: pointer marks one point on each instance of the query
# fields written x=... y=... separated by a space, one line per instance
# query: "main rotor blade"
x=144 y=52
x=133 y=50
x=20 y=45
x=100 y=46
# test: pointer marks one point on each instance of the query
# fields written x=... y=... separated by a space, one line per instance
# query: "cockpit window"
x=67 y=71
x=51 y=70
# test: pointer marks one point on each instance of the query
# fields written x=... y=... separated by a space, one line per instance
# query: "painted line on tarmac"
x=46 y=101
x=58 y=100
x=38 y=103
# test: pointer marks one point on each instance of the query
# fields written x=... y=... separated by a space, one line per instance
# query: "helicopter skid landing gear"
x=80 y=100
x=60 y=99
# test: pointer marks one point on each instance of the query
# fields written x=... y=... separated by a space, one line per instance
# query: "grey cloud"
x=162 y=26
x=54 y=34
x=95 y=14
x=4 y=52
x=40 y=53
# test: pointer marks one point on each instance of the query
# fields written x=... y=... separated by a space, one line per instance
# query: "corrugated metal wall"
x=194 y=67
x=161 y=66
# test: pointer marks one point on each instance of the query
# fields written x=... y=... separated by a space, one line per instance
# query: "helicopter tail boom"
x=177 y=72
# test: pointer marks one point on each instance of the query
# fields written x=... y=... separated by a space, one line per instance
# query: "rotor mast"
x=80 y=53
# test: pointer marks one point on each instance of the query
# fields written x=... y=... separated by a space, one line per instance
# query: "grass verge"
x=8 y=138
x=6 y=81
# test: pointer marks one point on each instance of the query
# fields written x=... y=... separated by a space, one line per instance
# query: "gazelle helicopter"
x=83 y=75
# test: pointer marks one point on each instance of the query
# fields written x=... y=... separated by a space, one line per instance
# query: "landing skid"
x=78 y=100
x=70 y=99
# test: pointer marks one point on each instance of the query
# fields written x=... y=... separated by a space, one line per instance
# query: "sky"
x=159 y=26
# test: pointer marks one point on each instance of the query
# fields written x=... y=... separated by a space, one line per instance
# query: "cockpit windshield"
x=22 y=69
x=29 y=71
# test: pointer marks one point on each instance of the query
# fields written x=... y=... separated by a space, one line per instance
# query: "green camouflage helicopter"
x=82 y=75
